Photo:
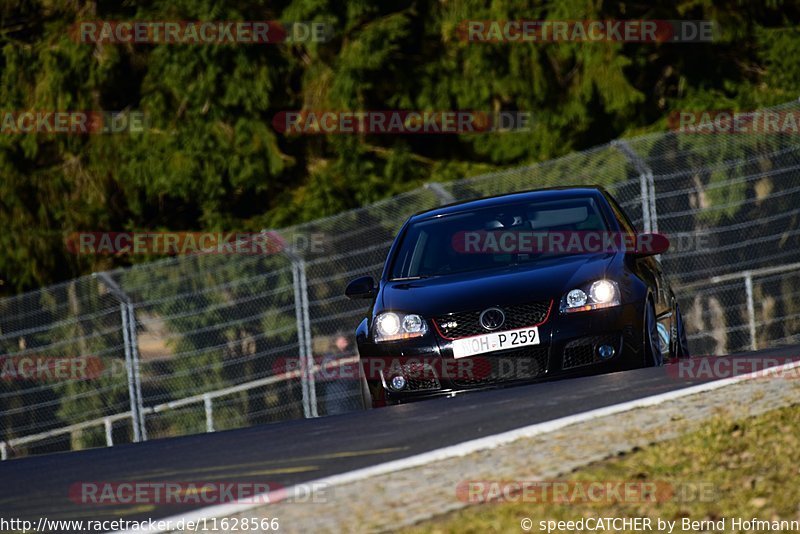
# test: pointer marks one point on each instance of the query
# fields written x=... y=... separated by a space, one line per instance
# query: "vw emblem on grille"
x=492 y=318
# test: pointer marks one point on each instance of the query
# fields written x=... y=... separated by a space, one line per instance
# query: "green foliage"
x=209 y=157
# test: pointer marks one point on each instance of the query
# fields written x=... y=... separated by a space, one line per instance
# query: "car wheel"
x=372 y=393
x=680 y=343
x=366 y=395
x=652 y=344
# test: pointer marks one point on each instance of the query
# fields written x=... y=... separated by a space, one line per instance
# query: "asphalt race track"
x=304 y=450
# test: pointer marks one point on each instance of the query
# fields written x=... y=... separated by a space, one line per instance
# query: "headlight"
x=594 y=296
x=576 y=298
x=387 y=324
x=390 y=326
x=602 y=291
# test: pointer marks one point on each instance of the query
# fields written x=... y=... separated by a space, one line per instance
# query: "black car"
x=512 y=289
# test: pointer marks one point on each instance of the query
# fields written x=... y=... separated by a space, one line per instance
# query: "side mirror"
x=650 y=245
x=361 y=288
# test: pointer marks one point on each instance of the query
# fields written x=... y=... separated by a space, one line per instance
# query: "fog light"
x=605 y=351
x=398 y=382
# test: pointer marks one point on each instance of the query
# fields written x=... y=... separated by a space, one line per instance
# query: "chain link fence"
x=210 y=342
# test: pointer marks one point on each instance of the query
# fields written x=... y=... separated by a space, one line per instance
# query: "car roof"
x=552 y=193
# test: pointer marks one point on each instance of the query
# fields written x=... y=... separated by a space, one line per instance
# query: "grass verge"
x=729 y=470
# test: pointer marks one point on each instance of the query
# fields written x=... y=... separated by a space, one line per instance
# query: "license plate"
x=521 y=337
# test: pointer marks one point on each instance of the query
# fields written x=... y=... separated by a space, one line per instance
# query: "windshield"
x=493 y=237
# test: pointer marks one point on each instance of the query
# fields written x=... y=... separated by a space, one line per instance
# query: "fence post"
x=646 y=183
x=303 y=332
x=312 y=382
x=301 y=338
x=136 y=376
x=751 y=309
x=209 y=412
x=444 y=196
x=653 y=210
x=109 y=428
x=134 y=403
x=3 y=451
x=131 y=355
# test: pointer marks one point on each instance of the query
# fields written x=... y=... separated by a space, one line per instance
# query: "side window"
x=624 y=222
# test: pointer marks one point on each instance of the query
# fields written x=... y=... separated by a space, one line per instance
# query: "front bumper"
x=568 y=347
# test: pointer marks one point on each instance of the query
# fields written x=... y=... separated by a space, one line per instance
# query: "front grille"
x=465 y=324
x=508 y=366
x=583 y=351
x=419 y=377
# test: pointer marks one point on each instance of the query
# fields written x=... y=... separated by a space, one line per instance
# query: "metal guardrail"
x=747 y=277
x=206 y=398
x=33 y=438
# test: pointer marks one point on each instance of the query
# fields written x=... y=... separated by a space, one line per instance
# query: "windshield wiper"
x=409 y=278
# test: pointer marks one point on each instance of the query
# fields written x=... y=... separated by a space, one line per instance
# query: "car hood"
x=546 y=279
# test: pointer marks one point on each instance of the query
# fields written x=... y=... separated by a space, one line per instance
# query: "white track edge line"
x=460 y=449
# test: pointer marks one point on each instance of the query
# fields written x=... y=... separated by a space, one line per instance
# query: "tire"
x=680 y=343
x=372 y=393
x=366 y=395
x=653 y=356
